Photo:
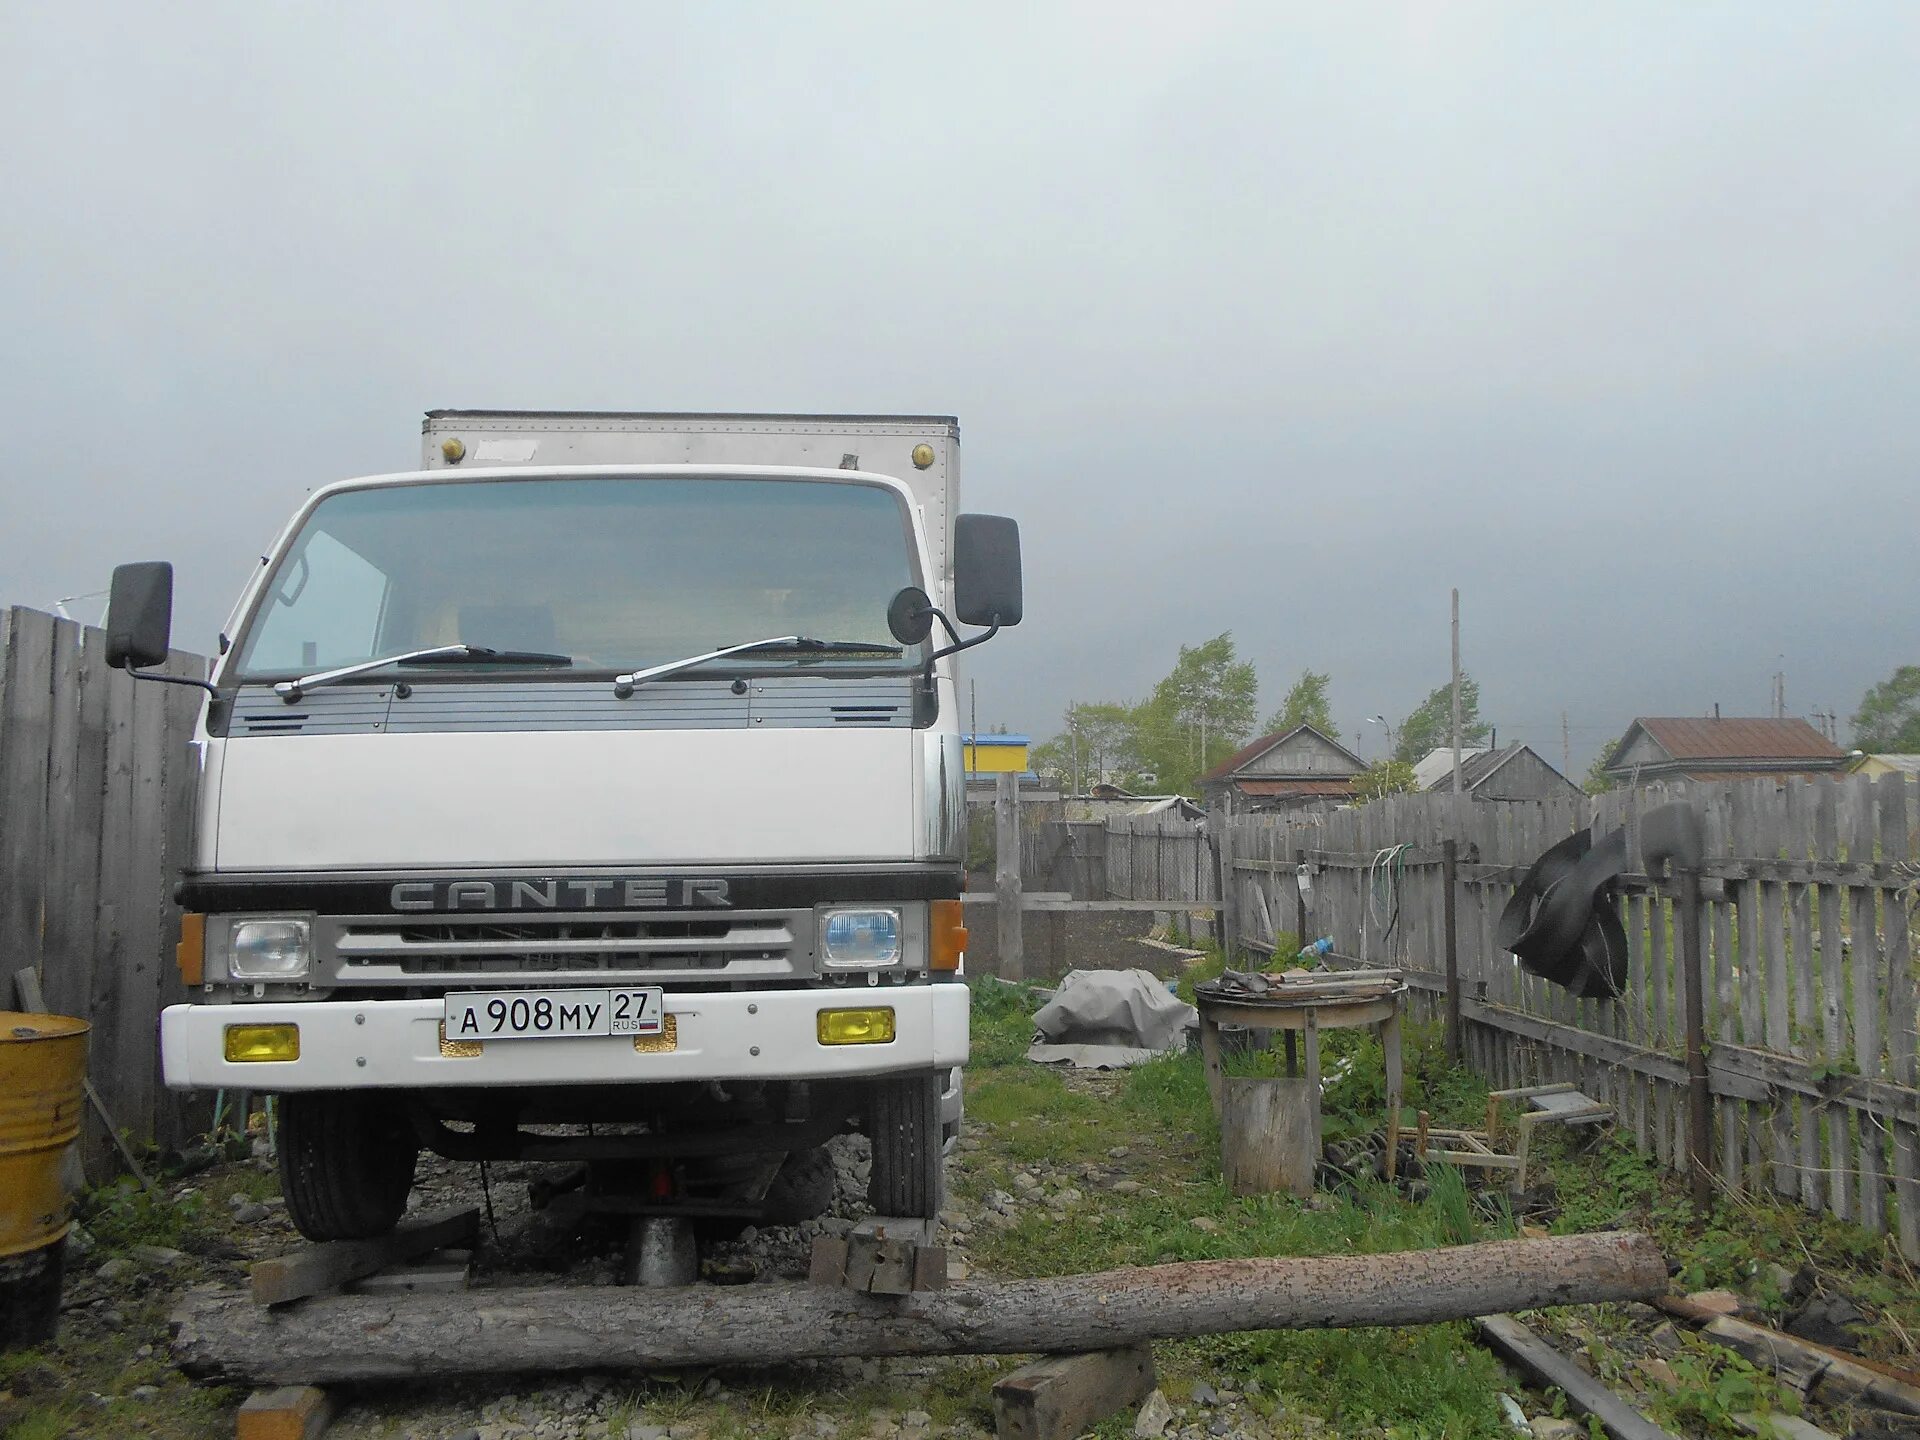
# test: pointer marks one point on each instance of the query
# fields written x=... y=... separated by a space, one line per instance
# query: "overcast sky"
x=1277 y=320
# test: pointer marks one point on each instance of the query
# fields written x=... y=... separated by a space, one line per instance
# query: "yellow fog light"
x=454 y=450
x=922 y=456
x=856 y=1027
x=247 y=1043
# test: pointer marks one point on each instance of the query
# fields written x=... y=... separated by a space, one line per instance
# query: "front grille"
x=657 y=948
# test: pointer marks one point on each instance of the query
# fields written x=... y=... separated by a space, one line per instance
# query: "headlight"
x=860 y=939
x=269 y=949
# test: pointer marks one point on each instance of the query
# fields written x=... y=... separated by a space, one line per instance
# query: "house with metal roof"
x=1512 y=772
x=1711 y=748
x=1287 y=770
x=1884 y=764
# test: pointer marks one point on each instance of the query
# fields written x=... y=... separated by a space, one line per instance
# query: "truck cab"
x=594 y=793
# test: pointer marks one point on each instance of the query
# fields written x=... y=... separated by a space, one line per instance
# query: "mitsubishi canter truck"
x=594 y=793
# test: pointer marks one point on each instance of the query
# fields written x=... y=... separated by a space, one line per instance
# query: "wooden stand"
x=882 y=1255
x=1551 y=1103
x=1305 y=1007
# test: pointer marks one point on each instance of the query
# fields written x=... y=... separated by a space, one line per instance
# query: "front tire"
x=346 y=1163
x=903 y=1122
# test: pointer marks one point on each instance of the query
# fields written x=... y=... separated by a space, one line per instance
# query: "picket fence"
x=1806 y=941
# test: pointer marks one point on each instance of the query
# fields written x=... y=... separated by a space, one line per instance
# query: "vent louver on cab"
x=863 y=714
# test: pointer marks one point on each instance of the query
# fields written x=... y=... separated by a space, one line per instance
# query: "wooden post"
x=1269 y=1135
x=292 y=1412
x=1006 y=874
x=1456 y=691
x=1061 y=1396
x=1449 y=881
x=1699 y=1098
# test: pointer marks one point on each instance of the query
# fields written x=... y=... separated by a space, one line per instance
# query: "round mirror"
x=910 y=615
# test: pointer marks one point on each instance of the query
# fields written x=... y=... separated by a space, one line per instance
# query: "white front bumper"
x=731 y=1035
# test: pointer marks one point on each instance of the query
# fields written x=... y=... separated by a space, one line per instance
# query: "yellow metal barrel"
x=43 y=1067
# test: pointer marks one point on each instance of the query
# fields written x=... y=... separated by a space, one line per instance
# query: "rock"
x=1204 y=1225
x=113 y=1271
x=1516 y=1417
x=1791 y=1427
x=1154 y=1417
x=79 y=1242
x=251 y=1213
x=1205 y=1394
x=468 y=1434
x=916 y=1420
x=1665 y=1338
x=1068 y=1197
x=1776 y=1279
x=144 y=1392
x=157 y=1255
x=1127 y=1187
x=1552 y=1427
x=1658 y=1371
x=640 y=1430
x=1827 y=1320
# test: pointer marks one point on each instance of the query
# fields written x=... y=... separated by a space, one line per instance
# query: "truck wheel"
x=346 y=1163
x=802 y=1190
x=903 y=1122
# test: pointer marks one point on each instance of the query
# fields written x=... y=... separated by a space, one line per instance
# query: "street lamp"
x=1381 y=721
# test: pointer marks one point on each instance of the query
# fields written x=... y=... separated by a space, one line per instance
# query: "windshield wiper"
x=291 y=690
x=800 y=644
x=481 y=655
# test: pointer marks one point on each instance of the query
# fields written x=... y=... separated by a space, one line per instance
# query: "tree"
x=1383 y=778
x=1431 y=725
x=1196 y=717
x=1306 y=704
x=1888 y=719
x=1089 y=750
x=1598 y=782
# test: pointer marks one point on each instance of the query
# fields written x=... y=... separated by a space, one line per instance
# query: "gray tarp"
x=1106 y=1019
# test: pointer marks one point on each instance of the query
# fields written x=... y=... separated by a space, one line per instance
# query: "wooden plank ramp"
x=330 y=1264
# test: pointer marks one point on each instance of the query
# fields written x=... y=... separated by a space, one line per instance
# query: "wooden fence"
x=1155 y=858
x=1806 y=939
x=96 y=805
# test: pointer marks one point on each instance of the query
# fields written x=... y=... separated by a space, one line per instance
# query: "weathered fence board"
x=96 y=790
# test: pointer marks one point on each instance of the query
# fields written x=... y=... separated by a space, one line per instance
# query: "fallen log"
x=223 y=1333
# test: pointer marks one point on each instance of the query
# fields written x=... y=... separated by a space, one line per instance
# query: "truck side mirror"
x=910 y=616
x=986 y=570
x=140 y=615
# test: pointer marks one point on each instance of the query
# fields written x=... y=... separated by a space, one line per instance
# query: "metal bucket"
x=43 y=1066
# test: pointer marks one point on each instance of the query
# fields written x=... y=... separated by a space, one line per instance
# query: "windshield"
x=617 y=574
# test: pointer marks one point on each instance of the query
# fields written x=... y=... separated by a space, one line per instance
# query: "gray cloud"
x=1281 y=320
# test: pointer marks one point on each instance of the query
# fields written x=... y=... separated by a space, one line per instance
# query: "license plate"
x=539 y=1014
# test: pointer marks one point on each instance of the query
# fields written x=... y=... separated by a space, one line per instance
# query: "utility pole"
x=1456 y=690
x=1566 y=747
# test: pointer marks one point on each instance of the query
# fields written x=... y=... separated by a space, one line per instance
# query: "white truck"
x=594 y=793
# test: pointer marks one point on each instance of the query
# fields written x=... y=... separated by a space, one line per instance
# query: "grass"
x=1414 y=1382
x=1427 y=1381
